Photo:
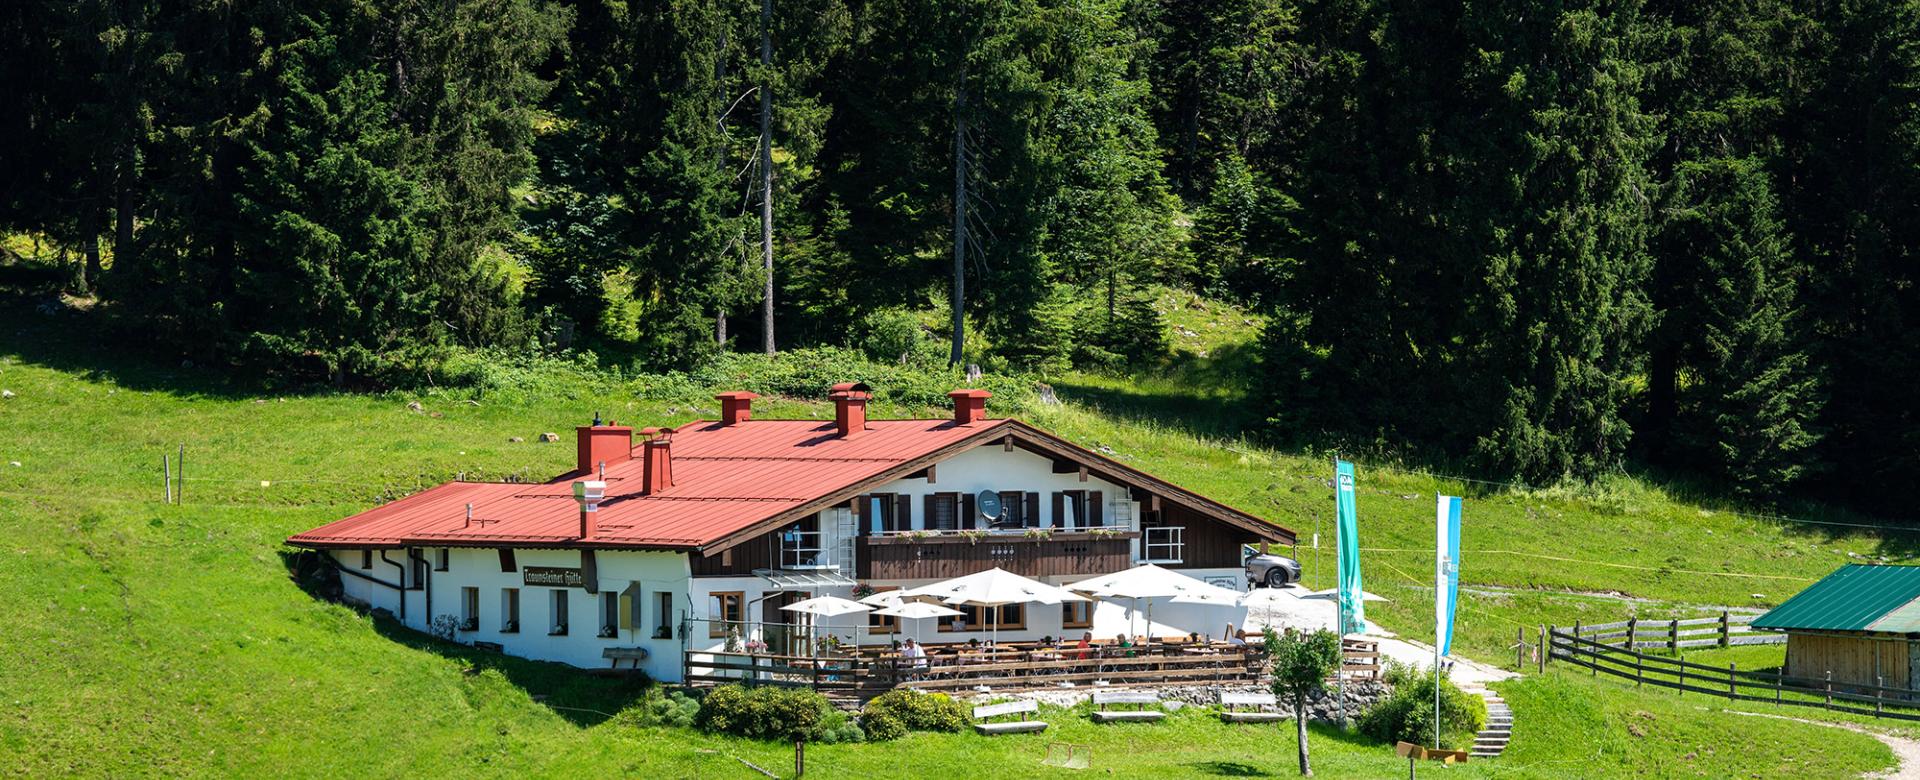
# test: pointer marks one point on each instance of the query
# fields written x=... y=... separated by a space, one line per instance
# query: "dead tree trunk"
x=959 y=222
x=720 y=165
x=766 y=173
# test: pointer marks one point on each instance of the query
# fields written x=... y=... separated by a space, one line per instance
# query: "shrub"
x=773 y=713
x=894 y=713
x=1407 y=715
x=672 y=709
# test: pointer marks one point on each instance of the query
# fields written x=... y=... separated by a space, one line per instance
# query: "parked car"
x=1273 y=571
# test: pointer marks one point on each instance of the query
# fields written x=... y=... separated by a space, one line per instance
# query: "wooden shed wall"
x=1852 y=659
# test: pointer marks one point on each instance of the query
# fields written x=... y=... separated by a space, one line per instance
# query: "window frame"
x=934 y=502
x=366 y=558
x=663 y=622
x=609 y=614
x=558 y=607
x=790 y=554
x=886 y=623
x=717 y=625
x=509 y=610
x=443 y=559
x=1067 y=610
x=976 y=619
x=470 y=608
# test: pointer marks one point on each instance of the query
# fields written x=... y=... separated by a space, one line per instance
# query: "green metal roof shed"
x=1858 y=597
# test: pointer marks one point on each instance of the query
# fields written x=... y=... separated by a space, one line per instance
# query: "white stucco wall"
x=479 y=568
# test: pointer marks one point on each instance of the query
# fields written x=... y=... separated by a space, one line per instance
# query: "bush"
x=774 y=713
x=1407 y=715
x=894 y=713
x=673 y=709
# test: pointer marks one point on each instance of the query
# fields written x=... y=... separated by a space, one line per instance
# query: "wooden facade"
x=1210 y=544
x=1855 y=659
x=941 y=557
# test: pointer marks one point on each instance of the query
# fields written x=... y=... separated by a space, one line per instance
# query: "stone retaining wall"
x=1322 y=707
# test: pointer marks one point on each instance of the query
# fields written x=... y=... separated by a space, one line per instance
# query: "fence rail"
x=1581 y=646
x=1724 y=630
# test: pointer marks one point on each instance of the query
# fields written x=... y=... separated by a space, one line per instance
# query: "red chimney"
x=850 y=406
x=736 y=406
x=609 y=444
x=659 y=460
x=969 y=405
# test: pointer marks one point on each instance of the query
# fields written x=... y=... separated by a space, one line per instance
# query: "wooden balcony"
x=907 y=556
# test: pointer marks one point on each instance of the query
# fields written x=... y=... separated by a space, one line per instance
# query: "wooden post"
x=166 y=476
x=799 y=758
x=1829 y=687
x=1544 y=647
x=1683 y=677
x=1880 y=684
x=1519 y=648
x=180 y=491
x=1633 y=627
x=1639 y=675
x=1730 y=691
x=1673 y=635
x=1777 y=683
x=1725 y=640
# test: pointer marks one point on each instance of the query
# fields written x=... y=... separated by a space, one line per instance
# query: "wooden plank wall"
x=1851 y=659
x=944 y=558
x=1210 y=544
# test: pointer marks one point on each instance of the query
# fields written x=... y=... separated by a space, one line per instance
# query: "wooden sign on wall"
x=552 y=577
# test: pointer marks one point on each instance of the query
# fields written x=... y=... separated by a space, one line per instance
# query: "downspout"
x=402 y=589
x=355 y=573
x=426 y=589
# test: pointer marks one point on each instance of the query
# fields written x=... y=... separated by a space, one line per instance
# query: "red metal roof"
x=726 y=478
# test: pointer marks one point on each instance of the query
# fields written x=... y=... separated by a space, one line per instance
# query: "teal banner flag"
x=1446 y=571
x=1353 y=612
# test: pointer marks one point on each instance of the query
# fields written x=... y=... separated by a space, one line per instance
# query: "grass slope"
x=143 y=638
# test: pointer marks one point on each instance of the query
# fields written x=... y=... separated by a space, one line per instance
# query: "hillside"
x=149 y=638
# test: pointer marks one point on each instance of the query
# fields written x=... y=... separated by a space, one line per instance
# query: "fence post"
x=1638 y=673
x=166 y=476
x=1673 y=635
x=1633 y=628
x=1544 y=648
x=1778 y=681
x=1724 y=640
x=1730 y=692
x=1880 y=685
x=1519 y=648
x=1829 y=687
x=1682 y=688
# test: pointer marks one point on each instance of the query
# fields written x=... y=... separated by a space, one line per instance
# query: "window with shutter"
x=943 y=511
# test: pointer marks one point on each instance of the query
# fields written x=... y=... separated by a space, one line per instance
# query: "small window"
x=440 y=563
x=663 y=616
x=509 y=610
x=557 y=612
x=800 y=545
x=883 y=513
x=943 y=511
x=507 y=565
x=1013 y=511
x=609 y=615
x=469 y=609
x=725 y=611
x=1076 y=614
x=366 y=559
x=1078 y=509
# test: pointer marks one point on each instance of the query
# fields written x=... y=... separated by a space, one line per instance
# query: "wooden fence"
x=1723 y=630
x=1568 y=645
x=867 y=675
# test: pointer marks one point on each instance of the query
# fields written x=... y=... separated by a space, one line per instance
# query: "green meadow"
x=142 y=638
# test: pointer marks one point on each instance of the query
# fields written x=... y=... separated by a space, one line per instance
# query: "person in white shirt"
x=914 y=655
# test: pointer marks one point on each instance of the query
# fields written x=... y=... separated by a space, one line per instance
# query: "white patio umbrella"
x=917 y=610
x=824 y=606
x=1150 y=582
x=992 y=589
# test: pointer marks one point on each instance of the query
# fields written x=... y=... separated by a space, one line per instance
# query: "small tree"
x=1301 y=664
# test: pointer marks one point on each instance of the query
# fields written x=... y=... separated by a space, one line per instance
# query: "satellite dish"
x=989 y=504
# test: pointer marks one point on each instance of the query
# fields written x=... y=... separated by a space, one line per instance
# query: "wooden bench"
x=1103 y=700
x=617 y=654
x=491 y=647
x=987 y=712
x=1264 y=707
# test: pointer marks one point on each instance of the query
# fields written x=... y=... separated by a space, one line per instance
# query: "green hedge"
x=894 y=713
x=1407 y=715
x=774 y=713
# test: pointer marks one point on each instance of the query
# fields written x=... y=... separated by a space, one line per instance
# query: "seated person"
x=914 y=656
x=1085 y=645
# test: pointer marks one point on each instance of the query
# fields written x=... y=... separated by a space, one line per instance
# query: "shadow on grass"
x=580 y=697
x=1228 y=769
x=37 y=328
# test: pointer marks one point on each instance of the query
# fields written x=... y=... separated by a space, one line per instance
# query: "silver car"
x=1273 y=571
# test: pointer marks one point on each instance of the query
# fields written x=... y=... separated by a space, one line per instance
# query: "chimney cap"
x=661 y=433
x=849 y=388
x=736 y=395
x=969 y=393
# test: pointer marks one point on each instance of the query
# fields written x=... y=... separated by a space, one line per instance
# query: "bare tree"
x=959 y=221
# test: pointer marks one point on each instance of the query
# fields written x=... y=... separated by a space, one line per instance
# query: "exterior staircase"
x=1492 y=740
